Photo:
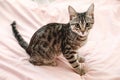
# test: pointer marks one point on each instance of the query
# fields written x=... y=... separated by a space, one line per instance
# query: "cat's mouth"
x=83 y=34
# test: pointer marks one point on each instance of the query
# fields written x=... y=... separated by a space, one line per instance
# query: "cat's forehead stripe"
x=82 y=18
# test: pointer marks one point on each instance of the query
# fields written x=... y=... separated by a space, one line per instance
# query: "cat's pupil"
x=77 y=25
x=87 y=24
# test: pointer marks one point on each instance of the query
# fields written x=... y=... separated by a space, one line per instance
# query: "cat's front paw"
x=80 y=71
x=81 y=59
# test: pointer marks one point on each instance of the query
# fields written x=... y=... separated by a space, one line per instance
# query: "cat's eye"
x=87 y=24
x=77 y=25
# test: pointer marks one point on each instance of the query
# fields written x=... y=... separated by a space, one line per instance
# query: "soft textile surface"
x=102 y=51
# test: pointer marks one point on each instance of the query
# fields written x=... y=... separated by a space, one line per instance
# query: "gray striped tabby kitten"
x=51 y=40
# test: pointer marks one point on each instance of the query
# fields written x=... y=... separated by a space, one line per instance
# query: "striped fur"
x=19 y=38
x=51 y=40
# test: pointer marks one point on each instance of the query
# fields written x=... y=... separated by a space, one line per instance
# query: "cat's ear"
x=72 y=12
x=90 y=11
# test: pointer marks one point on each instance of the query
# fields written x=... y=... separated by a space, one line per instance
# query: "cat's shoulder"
x=57 y=24
x=53 y=24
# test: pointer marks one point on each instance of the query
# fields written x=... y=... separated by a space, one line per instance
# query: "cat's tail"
x=19 y=38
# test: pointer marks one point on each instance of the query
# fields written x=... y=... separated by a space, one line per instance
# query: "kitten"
x=51 y=40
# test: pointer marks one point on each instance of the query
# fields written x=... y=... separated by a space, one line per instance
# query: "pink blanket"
x=102 y=51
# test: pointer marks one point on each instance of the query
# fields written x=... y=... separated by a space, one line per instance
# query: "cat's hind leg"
x=50 y=62
x=42 y=62
x=35 y=62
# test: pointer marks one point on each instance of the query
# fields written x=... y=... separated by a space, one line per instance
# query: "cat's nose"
x=82 y=32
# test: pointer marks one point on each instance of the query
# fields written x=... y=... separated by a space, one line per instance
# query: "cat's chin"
x=83 y=35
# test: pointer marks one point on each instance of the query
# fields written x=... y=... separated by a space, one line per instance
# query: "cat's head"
x=81 y=23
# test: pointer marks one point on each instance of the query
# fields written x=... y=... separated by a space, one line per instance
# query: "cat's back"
x=47 y=32
x=48 y=35
x=48 y=28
